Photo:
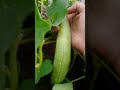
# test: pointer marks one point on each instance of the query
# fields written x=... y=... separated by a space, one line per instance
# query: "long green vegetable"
x=62 y=53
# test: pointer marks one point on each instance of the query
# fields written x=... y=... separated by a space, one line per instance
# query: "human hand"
x=76 y=17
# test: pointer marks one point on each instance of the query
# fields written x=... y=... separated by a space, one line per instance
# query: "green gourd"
x=62 y=55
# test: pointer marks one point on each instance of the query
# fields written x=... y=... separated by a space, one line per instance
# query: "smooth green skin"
x=62 y=54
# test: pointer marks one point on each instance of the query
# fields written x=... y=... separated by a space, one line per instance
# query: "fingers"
x=76 y=7
x=70 y=17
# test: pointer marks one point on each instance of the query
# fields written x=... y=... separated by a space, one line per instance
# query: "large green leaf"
x=41 y=28
x=64 y=86
x=57 y=11
x=45 y=69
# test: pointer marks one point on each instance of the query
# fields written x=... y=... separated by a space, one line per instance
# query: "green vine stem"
x=73 y=61
x=49 y=42
x=13 y=63
x=38 y=61
x=75 y=51
x=77 y=79
x=67 y=80
x=38 y=57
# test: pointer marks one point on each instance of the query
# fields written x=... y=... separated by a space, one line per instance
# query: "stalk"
x=13 y=64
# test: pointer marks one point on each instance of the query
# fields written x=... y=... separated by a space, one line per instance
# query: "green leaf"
x=57 y=11
x=64 y=86
x=27 y=85
x=41 y=28
x=45 y=69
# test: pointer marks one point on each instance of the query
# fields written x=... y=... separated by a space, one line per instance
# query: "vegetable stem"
x=49 y=42
x=40 y=56
x=79 y=54
x=72 y=62
x=13 y=63
x=78 y=79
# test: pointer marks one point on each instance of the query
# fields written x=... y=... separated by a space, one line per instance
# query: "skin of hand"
x=76 y=17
